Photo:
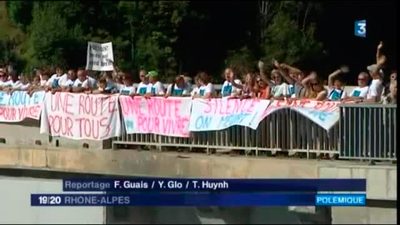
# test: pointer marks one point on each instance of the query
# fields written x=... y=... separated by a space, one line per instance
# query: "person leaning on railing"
x=359 y=93
x=336 y=91
x=231 y=86
x=178 y=87
x=375 y=71
x=314 y=87
x=155 y=87
x=206 y=88
x=391 y=96
x=84 y=83
x=293 y=77
x=127 y=88
x=144 y=83
x=279 y=90
x=264 y=90
x=12 y=82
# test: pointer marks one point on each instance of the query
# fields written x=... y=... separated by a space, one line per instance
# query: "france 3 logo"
x=360 y=28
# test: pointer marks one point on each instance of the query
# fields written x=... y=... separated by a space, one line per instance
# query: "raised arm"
x=342 y=69
x=262 y=74
x=306 y=80
x=284 y=69
x=380 y=61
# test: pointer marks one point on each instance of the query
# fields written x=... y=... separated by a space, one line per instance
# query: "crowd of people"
x=283 y=82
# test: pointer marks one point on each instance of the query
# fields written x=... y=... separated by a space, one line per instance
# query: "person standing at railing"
x=264 y=91
x=359 y=93
x=293 y=76
x=391 y=96
x=229 y=89
x=178 y=87
x=314 y=87
x=375 y=90
x=279 y=90
x=155 y=87
x=195 y=92
x=56 y=80
x=206 y=89
x=249 y=88
x=127 y=88
x=3 y=78
x=83 y=82
x=336 y=91
x=71 y=78
x=12 y=83
x=144 y=83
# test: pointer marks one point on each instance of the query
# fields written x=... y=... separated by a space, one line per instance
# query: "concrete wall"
x=381 y=180
x=15 y=204
x=26 y=134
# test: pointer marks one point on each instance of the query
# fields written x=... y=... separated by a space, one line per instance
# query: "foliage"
x=51 y=41
x=241 y=61
x=288 y=32
x=20 y=13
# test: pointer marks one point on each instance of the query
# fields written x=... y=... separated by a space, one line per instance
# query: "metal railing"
x=368 y=132
x=284 y=130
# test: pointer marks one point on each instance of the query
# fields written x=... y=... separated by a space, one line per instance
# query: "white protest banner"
x=81 y=116
x=100 y=57
x=218 y=114
x=19 y=106
x=157 y=115
x=323 y=113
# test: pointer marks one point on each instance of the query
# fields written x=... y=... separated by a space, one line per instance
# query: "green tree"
x=290 y=34
x=51 y=41
x=152 y=33
x=20 y=13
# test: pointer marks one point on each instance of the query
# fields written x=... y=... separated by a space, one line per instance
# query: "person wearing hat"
x=155 y=87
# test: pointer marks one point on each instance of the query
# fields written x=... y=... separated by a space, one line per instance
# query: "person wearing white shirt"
x=141 y=88
x=229 y=89
x=195 y=91
x=3 y=79
x=83 y=82
x=57 y=80
x=336 y=91
x=127 y=88
x=156 y=87
x=279 y=89
x=206 y=88
x=178 y=88
x=360 y=92
x=12 y=83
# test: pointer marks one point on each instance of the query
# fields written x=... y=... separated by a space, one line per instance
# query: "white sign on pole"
x=100 y=57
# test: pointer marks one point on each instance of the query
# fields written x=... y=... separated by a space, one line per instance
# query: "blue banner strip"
x=199 y=199
x=340 y=199
x=214 y=185
x=174 y=199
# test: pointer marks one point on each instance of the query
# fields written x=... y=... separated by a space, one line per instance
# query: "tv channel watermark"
x=360 y=28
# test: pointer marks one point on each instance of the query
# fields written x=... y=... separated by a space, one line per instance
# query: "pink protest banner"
x=156 y=115
x=323 y=113
x=81 y=116
x=221 y=113
x=19 y=105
